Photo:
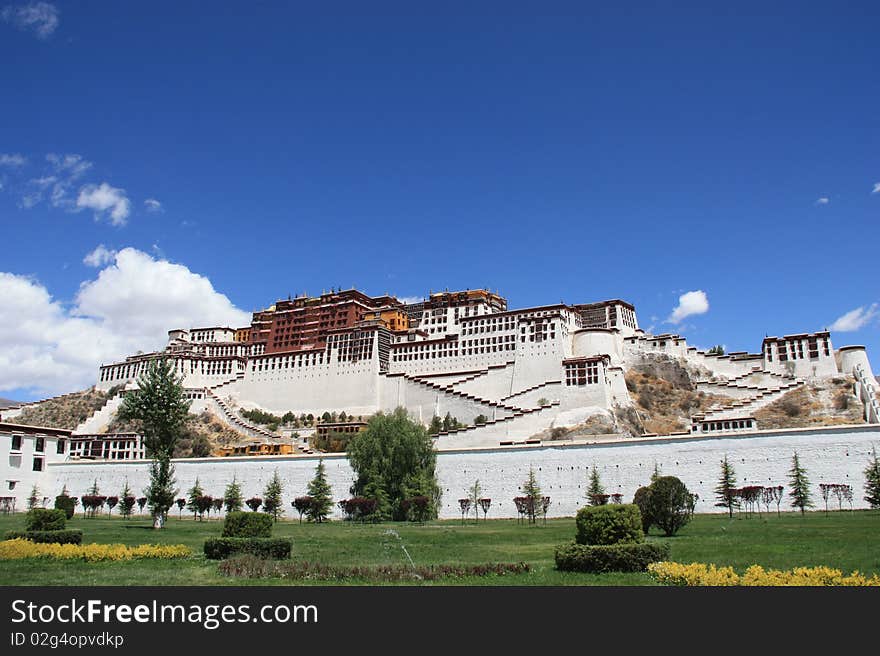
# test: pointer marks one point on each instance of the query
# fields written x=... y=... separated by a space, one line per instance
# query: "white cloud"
x=876 y=188
x=410 y=299
x=41 y=18
x=100 y=256
x=50 y=348
x=854 y=319
x=103 y=198
x=823 y=201
x=153 y=205
x=13 y=160
x=64 y=172
x=689 y=303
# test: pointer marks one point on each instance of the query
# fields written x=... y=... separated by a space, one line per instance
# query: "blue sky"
x=240 y=152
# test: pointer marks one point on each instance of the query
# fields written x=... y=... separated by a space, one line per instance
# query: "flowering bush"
x=18 y=548
x=701 y=574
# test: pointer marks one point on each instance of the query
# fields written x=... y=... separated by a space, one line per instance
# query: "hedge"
x=247 y=525
x=45 y=519
x=573 y=557
x=615 y=524
x=64 y=536
x=220 y=548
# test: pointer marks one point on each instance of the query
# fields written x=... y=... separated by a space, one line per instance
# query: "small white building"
x=25 y=452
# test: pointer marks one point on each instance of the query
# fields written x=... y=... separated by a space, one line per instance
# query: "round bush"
x=67 y=504
x=614 y=524
x=45 y=519
x=240 y=524
x=670 y=504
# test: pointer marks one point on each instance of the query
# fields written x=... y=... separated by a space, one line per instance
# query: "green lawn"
x=846 y=540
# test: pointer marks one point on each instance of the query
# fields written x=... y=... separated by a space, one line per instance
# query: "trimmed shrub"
x=617 y=524
x=240 y=524
x=45 y=519
x=573 y=557
x=62 y=536
x=642 y=499
x=220 y=548
x=67 y=504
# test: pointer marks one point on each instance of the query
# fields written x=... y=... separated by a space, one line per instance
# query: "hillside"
x=203 y=434
x=666 y=398
x=67 y=411
x=814 y=405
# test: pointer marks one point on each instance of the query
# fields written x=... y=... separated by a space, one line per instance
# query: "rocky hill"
x=814 y=404
x=67 y=411
x=203 y=435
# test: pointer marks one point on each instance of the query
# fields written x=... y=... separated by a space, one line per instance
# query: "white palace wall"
x=830 y=455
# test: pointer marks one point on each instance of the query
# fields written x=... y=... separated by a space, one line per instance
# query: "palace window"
x=582 y=373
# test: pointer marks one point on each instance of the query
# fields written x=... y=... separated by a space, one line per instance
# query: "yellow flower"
x=670 y=573
x=19 y=548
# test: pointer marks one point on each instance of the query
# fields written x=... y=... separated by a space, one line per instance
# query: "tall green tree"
x=595 y=489
x=725 y=491
x=535 y=498
x=232 y=499
x=872 y=481
x=159 y=408
x=272 y=501
x=393 y=460
x=800 y=485
x=319 y=490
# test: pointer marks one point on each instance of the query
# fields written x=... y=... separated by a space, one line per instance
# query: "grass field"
x=845 y=540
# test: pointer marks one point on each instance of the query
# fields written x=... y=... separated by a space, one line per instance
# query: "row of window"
x=734 y=424
x=39 y=444
x=794 y=350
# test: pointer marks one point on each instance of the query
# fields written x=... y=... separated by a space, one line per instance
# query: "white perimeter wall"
x=830 y=455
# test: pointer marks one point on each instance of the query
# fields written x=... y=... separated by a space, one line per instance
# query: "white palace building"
x=510 y=376
x=466 y=354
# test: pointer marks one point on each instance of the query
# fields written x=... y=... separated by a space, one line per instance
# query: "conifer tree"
x=272 y=502
x=532 y=492
x=725 y=491
x=126 y=500
x=192 y=497
x=319 y=490
x=800 y=486
x=872 y=481
x=232 y=499
x=595 y=489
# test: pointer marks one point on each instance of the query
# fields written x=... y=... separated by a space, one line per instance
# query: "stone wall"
x=830 y=455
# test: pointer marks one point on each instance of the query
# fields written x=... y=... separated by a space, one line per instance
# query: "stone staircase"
x=491 y=406
x=531 y=389
x=747 y=406
x=227 y=416
x=499 y=428
x=100 y=418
